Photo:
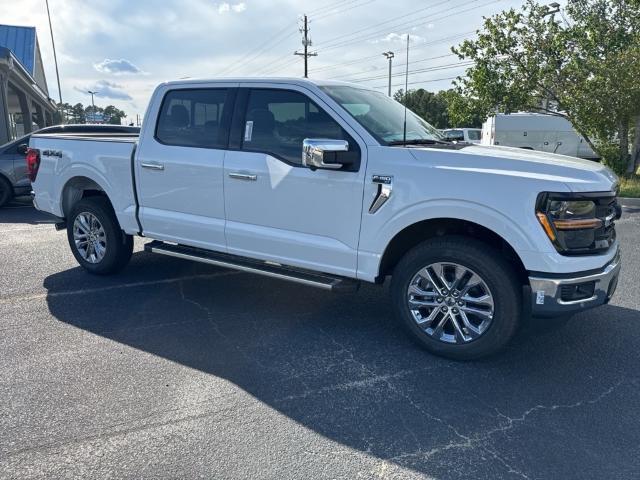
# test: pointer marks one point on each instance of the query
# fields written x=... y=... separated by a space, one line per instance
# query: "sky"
x=124 y=48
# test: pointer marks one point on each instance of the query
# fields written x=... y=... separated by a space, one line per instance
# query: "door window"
x=193 y=118
x=277 y=121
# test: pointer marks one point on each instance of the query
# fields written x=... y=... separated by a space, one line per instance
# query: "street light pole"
x=389 y=55
x=55 y=60
x=93 y=105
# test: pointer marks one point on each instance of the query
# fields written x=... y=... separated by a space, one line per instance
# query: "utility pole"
x=55 y=61
x=306 y=43
x=389 y=55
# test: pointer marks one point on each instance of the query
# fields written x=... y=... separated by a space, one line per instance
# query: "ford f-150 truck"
x=330 y=184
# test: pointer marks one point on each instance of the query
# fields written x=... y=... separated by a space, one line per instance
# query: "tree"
x=113 y=115
x=433 y=107
x=584 y=69
x=78 y=114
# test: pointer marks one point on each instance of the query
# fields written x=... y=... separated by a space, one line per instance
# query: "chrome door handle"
x=152 y=165
x=243 y=176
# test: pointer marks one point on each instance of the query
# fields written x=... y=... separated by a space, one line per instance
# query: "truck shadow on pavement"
x=338 y=365
x=21 y=210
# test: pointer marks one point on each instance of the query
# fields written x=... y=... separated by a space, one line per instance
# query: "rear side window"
x=193 y=118
x=474 y=134
x=277 y=121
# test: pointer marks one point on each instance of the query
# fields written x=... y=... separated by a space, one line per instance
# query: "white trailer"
x=536 y=131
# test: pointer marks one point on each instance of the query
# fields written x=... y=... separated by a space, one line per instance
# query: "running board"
x=292 y=274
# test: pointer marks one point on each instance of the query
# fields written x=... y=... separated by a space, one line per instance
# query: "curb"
x=629 y=202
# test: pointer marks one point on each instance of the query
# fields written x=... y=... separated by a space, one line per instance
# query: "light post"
x=389 y=55
x=93 y=105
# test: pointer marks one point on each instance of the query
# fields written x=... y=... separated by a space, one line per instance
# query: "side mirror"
x=322 y=152
x=22 y=148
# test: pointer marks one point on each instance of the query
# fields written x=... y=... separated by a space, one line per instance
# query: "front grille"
x=607 y=211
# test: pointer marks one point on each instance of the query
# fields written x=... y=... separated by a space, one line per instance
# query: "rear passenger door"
x=276 y=208
x=179 y=166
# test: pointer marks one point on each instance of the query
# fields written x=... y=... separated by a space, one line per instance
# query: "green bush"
x=610 y=153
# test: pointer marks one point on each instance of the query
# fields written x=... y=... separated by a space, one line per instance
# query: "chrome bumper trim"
x=546 y=293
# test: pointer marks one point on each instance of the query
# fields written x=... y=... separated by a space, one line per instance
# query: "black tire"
x=489 y=264
x=119 y=246
x=6 y=191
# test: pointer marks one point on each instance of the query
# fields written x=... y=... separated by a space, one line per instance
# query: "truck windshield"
x=382 y=116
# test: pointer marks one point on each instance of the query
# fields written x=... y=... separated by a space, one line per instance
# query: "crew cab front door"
x=179 y=166
x=276 y=208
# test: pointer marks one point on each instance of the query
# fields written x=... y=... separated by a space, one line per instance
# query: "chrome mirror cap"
x=314 y=152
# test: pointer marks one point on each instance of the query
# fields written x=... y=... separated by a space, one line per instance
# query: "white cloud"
x=227 y=7
x=400 y=38
x=117 y=67
x=105 y=89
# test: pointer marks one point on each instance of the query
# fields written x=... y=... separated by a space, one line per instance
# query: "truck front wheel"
x=457 y=297
x=95 y=237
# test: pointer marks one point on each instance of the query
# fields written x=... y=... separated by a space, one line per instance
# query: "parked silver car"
x=14 y=179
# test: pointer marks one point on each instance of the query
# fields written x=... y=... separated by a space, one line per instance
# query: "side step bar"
x=292 y=274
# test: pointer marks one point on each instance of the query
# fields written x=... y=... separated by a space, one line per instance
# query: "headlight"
x=581 y=223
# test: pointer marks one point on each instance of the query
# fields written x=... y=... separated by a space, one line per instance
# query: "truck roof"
x=288 y=80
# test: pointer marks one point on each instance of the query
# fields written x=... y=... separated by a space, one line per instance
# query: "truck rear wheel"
x=457 y=297
x=95 y=237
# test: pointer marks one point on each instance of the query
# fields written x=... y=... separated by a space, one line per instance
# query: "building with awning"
x=25 y=104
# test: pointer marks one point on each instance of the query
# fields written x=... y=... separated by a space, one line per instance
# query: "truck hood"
x=577 y=174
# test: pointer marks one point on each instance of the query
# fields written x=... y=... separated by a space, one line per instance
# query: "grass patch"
x=630 y=186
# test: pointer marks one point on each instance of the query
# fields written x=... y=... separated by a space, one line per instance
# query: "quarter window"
x=277 y=121
x=193 y=118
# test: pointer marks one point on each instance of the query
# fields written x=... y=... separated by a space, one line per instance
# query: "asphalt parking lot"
x=174 y=369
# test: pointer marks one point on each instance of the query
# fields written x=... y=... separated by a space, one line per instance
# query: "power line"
x=348 y=4
x=406 y=25
x=345 y=4
x=341 y=64
x=253 y=54
x=313 y=11
x=420 y=70
x=418 y=81
x=375 y=25
x=397 y=65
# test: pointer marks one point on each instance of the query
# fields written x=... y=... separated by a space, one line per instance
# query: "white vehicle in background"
x=536 y=131
x=470 y=135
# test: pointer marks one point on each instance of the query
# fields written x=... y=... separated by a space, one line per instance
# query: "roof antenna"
x=406 y=85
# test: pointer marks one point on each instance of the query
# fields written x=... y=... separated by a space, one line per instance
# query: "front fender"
x=522 y=236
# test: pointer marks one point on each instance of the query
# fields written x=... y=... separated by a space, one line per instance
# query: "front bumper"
x=554 y=296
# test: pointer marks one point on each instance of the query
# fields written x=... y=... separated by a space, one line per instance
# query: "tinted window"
x=192 y=118
x=454 y=135
x=474 y=134
x=277 y=121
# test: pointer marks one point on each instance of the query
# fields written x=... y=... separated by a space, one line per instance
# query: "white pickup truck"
x=329 y=184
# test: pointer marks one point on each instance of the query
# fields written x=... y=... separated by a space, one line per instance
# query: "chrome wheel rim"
x=89 y=237
x=450 y=302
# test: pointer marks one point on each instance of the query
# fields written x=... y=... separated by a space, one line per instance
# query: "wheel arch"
x=77 y=188
x=414 y=234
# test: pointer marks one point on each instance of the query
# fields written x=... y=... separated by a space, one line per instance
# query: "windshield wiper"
x=419 y=141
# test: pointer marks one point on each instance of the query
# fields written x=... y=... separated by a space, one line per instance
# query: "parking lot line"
x=34 y=296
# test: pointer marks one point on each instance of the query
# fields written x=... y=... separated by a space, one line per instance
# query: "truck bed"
x=105 y=158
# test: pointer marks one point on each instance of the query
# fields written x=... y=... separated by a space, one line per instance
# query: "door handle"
x=243 y=176
x=152 y=165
